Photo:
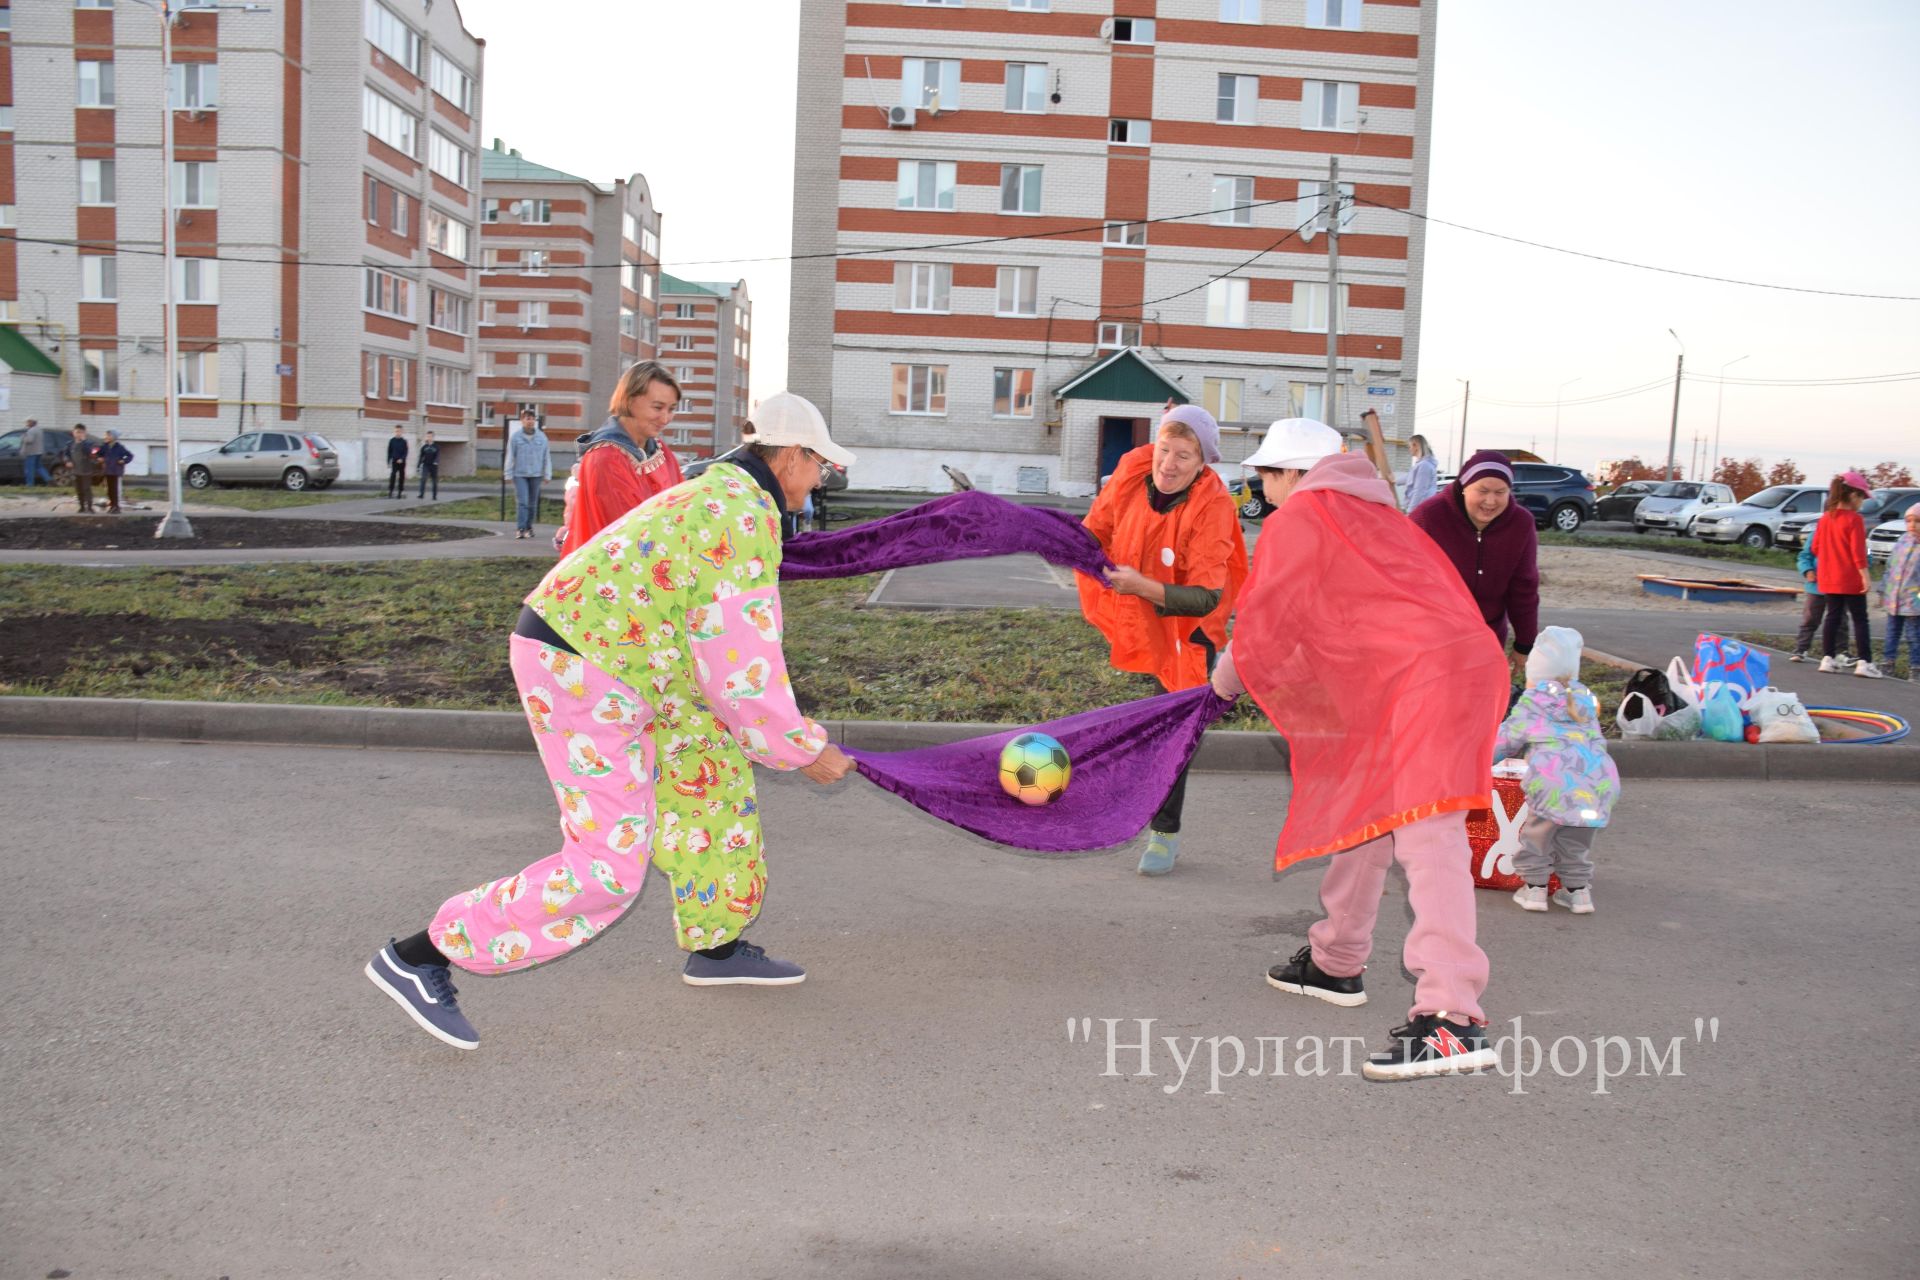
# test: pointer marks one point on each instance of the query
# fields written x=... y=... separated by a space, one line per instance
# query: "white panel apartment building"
x=569 y=296
x=706 y=338
x=1112 y=157
x=328 y=190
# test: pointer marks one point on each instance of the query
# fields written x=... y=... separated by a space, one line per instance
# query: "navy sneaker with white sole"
x=426 y=992
x=1432 y=1045
x=748 y=966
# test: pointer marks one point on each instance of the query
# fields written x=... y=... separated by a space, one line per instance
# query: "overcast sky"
x=1754 y=139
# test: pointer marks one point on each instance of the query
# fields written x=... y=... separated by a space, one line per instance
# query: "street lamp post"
x=1673 y=429
x=1466 y=402
x=174 y=524
x=1556 y=413
x=1720 y=400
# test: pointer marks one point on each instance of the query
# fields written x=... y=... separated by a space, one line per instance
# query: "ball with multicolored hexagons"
x=1034 y=768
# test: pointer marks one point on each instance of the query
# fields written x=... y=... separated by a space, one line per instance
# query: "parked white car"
x=1671 y=507
x=1752 y=523
x=1881 y=537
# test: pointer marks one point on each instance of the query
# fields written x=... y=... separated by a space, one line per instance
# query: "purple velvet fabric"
x=960 y=526
x=1125 y=759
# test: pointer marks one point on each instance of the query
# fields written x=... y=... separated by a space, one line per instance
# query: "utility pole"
x=1466 y=402
x=1719 y=403
x=1673 y=428
x=1332 y=207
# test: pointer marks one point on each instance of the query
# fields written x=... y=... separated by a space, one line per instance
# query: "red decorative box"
x=1494 y=835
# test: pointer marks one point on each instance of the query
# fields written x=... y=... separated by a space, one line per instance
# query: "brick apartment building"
x=1113 y=156
x=706 y=338
x=569 y=295
x=327 y=184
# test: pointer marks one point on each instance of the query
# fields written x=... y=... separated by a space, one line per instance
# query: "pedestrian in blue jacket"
x=1814 y=610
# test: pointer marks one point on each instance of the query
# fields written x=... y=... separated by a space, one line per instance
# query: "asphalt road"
x=199 y=1082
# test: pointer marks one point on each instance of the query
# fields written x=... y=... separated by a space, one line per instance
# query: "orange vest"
x=1196 y=544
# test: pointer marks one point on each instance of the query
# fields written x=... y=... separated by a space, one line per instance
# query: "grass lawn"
x=1732 y=553
x=551 y=510
x=417 y=635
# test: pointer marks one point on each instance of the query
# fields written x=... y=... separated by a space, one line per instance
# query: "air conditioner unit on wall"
x=900 y=117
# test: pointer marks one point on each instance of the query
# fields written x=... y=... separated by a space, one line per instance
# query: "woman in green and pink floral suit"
x=649 y=664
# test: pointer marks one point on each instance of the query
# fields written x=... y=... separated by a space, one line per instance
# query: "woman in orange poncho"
x=1361 y=644
x=1169 y=525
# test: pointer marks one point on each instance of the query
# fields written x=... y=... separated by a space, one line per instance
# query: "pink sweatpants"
x=1449 y=968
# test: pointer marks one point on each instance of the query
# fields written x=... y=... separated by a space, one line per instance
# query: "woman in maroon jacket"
x=1492 y=544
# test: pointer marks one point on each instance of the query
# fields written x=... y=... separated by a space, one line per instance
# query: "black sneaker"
x=1303 y=977
x=1431 y=1045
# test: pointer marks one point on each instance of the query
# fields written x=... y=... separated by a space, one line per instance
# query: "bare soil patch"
x=222 y=533
x=1579 y=578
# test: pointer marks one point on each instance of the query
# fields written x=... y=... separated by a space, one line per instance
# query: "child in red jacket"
x=1840 y=555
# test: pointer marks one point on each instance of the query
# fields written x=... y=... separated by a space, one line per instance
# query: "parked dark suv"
x=1559 y=497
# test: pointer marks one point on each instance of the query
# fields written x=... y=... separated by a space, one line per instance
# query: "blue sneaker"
x=426 y=993
x=748 y=966
x=1162 y=849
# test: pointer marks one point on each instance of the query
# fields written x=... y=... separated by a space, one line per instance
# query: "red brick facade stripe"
x=387 y=327
x=1379 y=297
x=1204 y=235
x=94 y=226
x=93 y=27
x=1369 y=44
x=504 y=231
x=1317 y=142
x=198 y=321
x=898 y=17
x=391 y=157
x=1373 y=94
x=964 y=226
x=1268 y=289
x=1005 y=124
x=93 y=124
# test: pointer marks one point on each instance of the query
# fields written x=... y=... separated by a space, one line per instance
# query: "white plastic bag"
x=1681 y=726
x=1779 y=716
x=1638 y=717
x=1680 y=680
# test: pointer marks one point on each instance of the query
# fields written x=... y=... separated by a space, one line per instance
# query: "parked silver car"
x=1881 y=537
x=291 y=459
x=1752 y=523
x=1671 y=507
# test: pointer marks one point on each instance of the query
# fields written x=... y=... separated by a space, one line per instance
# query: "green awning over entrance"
x=1125 y=375
x=22 y=356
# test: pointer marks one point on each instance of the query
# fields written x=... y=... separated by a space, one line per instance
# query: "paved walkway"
x=199 y=1081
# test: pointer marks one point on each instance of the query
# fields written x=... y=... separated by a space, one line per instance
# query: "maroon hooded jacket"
x=1500 y=564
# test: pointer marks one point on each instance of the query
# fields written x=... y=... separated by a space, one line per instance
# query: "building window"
x=449 y=311
x=1227 y=303
x=193 y=86
x=1129 y=235
x=920 y=388
x=93 y=4
x=649 y=330
x=1013 y=393
x=393 y=37
x=100 y=373
x=926 y=184
x=196 y=280
x=646 y=285
x=1313 y=205
x=1310 y=308
x=922 y=286
x=630 y=276
x=96 y=182
x=388 y=294
x=1330 y=104
x=1237 y=99
x=370 y=375
x=930 y=84
x=8 y=215
x=1221 y=398
x=1130 y=133
x=527 y=210
x=629 y=227
x=1341 y=15
x=448 y=235
x=196 y=184
x=1114 y=336
x=6 y=113
x=533 y=315
x=452 y=83
x=683 y=311
x=1232 y=200
x=1027 y=86
x=1020 y=188
x=629 y=322
x=449 y=159
x=683 y=373
x=1133 y=30
x=683 y=342
x=534 y=262
x=534 y=365
x=198 y=374
x=1309 y=400
x=386 y=120
x=398 y=374
x=649 y=243
x=99 y=278
x=1030 y=6
x=446 y=385
x=1019 y=291
x=1239 y=10
x=96 y=84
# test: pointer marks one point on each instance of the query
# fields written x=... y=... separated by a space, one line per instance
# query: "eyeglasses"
x=826 y=468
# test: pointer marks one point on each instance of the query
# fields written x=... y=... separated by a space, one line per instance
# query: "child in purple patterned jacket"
x=1571 y=781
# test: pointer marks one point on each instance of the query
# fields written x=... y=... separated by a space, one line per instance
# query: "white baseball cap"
x=1295 y=443
x=785 y=418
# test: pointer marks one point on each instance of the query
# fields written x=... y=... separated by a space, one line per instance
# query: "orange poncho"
x=1196 y=544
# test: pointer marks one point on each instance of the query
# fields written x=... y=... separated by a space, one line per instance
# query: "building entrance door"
x=1117 y=435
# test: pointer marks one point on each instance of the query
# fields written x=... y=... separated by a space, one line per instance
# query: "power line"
x=1640 y=266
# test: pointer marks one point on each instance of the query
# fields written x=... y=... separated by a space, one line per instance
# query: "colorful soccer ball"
x=1034 y=769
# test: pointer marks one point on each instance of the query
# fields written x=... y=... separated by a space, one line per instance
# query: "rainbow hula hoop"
x=1892 y=728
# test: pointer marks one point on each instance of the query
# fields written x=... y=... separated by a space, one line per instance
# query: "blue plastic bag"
x=1720 y=717
x=1716 y=659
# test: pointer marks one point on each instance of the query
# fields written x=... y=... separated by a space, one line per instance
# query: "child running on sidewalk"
x=1571 y=782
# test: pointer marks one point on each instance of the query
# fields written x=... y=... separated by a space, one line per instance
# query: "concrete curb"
x=1221 y=751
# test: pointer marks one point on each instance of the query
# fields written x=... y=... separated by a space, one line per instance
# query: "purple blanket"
x=1125 y=759
x=960 y=526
